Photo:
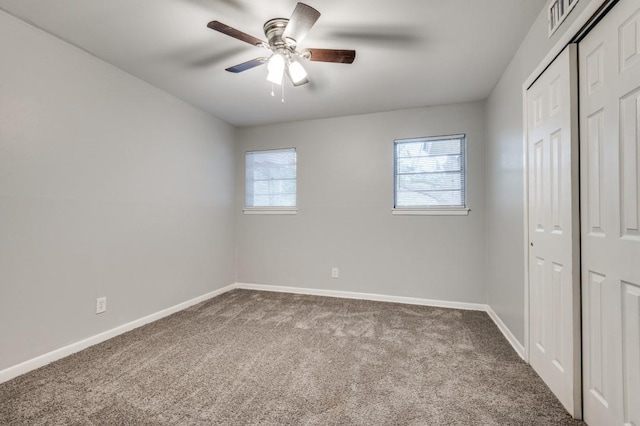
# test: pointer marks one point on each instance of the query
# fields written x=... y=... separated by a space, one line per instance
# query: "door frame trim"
x=590 y=14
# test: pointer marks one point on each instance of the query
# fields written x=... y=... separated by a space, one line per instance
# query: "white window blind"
x=430 y=172
x=270 y=178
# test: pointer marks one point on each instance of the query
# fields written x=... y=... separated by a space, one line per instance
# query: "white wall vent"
x=557 y=12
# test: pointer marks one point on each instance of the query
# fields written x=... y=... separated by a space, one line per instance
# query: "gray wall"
x=108 y=187
x=345 y=197
x=505 y=216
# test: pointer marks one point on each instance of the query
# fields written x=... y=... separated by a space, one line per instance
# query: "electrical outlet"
x=101 y=305
x=335 y=273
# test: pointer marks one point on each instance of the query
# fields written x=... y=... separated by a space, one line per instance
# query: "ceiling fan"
x=284 y=37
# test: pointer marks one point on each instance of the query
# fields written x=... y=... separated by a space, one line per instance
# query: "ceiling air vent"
x=558 y=11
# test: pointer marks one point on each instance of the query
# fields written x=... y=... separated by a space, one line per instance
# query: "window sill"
x=270 y=210
x=430 y=212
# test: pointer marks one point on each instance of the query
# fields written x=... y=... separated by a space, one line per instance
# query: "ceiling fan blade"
x=247 y=65
x=399 y=36
x=232 y=32
x=300 y=23
x=330 y=55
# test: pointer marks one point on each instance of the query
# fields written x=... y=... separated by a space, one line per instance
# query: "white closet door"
x=554 y=283
x=610 y=202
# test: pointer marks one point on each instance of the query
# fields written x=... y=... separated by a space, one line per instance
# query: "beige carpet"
x=250 y=357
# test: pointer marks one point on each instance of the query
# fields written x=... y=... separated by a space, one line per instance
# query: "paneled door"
x=610 y=204
x=554 y=264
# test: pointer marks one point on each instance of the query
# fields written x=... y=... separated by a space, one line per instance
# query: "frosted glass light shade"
x=297 y=72
x=276 y=67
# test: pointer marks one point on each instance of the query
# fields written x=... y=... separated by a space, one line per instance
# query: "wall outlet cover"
x=101 y=305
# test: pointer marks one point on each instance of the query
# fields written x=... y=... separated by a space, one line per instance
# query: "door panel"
x=595 y=363
x=553 y=231
x=610 y=197
x=631 y=353
x=593 y=180
x=629 y=158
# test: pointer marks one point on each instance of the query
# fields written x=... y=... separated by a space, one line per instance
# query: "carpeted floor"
x=249 y=357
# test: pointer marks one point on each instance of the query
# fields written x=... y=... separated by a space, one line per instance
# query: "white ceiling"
x=410 y=53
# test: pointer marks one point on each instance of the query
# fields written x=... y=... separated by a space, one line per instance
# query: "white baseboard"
x=57 y=354
x=517 y=346
x=365 y=296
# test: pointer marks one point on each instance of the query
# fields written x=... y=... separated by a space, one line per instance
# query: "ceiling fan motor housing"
x=274 y=29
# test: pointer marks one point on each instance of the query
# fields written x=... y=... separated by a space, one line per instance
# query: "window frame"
x=417 y=210
x=269 y=210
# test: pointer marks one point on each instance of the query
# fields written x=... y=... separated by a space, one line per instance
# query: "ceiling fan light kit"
x=283 y=38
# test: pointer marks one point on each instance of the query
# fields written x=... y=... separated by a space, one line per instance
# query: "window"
x=430 y=174
x=270 y=179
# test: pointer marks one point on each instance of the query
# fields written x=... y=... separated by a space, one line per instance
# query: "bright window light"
x=430 y=172
x=270 y=178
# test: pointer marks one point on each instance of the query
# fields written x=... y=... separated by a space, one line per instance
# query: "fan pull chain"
x=273 y=93
x=283 y=92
